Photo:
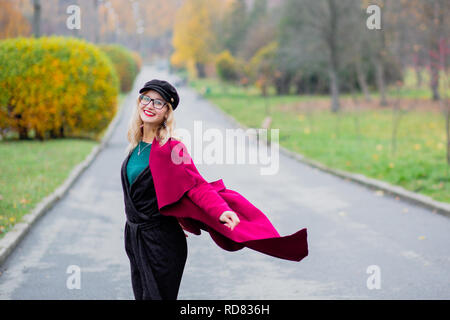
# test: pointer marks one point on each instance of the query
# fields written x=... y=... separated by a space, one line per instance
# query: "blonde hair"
x=136 y=128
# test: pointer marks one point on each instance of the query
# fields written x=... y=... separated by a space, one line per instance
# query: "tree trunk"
x=36 y=18
x=200 y=70
x=419 y=78
x=362 y=80
x=282 y=84
x=96 y=23
x=434 y=81
x=447 y=127
x=437 y=21
x=379 y=73
x=23 y=133
x=333 y=52
x=334 y=87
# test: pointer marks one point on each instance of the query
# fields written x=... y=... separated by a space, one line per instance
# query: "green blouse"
x=137 y=163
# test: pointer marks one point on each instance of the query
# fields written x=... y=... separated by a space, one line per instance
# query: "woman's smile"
x=148 y=113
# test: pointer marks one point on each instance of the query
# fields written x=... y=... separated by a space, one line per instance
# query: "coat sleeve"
x=202 y=194
x=205 y=197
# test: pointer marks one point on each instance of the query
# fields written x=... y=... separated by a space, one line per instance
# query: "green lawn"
x=31 y=170
x=355 y=141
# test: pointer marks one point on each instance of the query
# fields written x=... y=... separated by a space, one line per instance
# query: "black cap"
x=165 y=89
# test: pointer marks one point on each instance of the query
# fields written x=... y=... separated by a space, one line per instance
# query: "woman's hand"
x=230 y=219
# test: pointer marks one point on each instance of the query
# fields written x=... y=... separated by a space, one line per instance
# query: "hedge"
x=57 y=86
x=125 y=64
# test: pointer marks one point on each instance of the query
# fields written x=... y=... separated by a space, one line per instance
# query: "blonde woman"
x=155 y=244
x=164 y=193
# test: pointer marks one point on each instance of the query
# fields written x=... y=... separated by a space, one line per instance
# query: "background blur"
x=358 y=90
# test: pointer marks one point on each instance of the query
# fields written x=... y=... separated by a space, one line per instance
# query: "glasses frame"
x=151 y=101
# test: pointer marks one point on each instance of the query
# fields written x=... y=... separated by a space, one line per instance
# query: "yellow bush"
x=124 y=63
x=57 y=86
x=227 y=66
x=138 y=59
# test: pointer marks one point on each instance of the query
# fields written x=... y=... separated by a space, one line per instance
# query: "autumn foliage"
x=126 y=64
x=55 y=86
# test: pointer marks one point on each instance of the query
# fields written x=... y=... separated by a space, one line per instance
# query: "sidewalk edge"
x=13 y=237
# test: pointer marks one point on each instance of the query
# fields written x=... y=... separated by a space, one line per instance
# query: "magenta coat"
x=182 y=192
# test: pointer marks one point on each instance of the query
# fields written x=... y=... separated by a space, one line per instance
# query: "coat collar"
x=171 y=179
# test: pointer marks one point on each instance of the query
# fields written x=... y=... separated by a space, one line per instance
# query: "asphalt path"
x=362 y=244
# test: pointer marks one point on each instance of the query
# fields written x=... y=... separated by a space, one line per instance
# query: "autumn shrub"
x=56 y=86
x=227 y=66
x=138 y=60
x=125 y=64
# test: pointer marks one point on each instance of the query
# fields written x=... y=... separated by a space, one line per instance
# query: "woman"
x=165 y=193
x=158 y=250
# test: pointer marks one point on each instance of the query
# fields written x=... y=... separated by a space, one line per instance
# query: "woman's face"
x=150 y=113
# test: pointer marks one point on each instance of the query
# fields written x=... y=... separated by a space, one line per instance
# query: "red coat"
x=182 y=192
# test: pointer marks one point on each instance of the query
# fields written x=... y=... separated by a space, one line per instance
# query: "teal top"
x=137 y=163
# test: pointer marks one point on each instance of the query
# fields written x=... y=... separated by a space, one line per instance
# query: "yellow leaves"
x=37 y=95
x=379 y=147
x=417 y=147
x=375 y=157
x=438 y=186
x=391 y=165
x=24 y=201
x=306 y=130
x=192 y=33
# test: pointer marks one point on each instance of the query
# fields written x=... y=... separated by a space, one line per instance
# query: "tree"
x=262 y=69
x=235 y=26
x=12 y=22
x=318 y=33
x=193 y=40
x=37 y=18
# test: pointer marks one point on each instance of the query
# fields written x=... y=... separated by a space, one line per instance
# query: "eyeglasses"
x=157 y=103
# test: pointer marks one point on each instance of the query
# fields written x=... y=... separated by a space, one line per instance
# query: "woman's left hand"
x=230 y=219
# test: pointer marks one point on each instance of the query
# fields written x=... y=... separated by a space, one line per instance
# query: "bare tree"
x=326 y=21
x=37 y=18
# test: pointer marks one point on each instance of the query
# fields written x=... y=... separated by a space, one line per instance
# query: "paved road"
x=349 y=227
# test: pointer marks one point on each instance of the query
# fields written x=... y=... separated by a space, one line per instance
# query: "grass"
x=30 y=170
x=354 y=140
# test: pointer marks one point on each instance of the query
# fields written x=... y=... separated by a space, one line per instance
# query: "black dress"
x=155 y=244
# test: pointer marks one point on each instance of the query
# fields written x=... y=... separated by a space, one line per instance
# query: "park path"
x=349 y=229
